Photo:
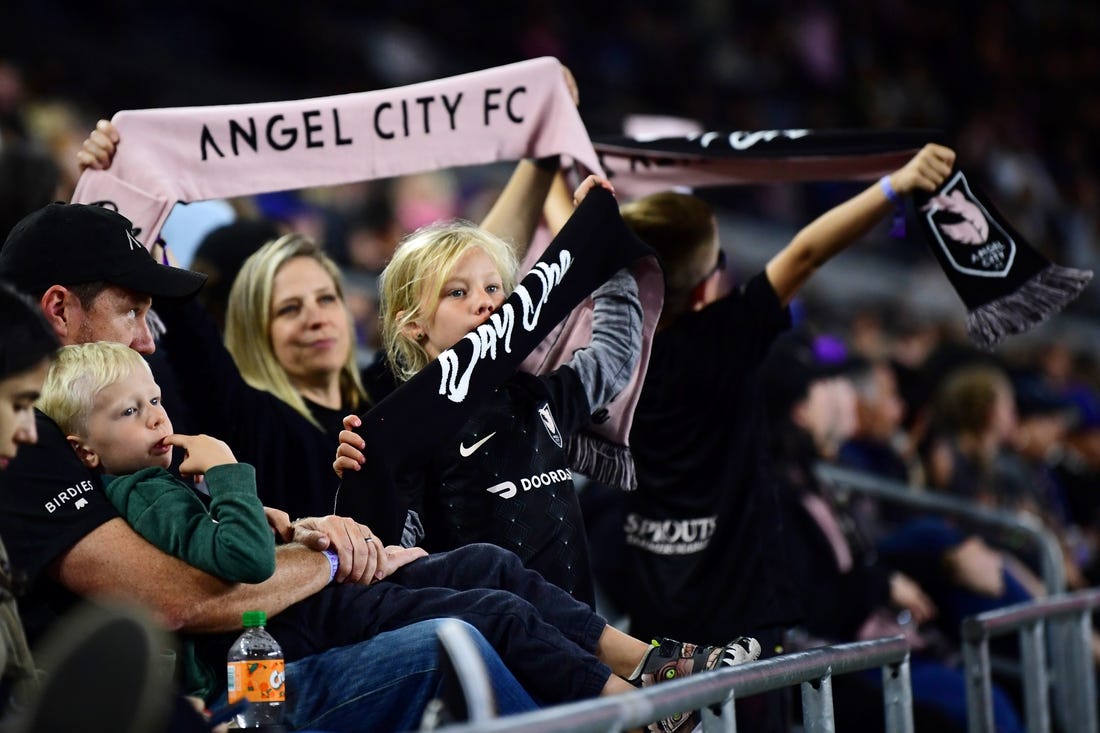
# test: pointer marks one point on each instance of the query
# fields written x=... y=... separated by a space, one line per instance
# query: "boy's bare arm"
x=115 y=561
x=842 y=225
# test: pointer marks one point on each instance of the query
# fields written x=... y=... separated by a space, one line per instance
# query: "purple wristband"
x=333 y=562
x=888 y=190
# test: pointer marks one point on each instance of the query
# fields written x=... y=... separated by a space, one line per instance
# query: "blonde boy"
x=104 y=398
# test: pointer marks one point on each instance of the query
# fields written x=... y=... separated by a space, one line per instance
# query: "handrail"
x=1075 y=675
x=1052 y=568
x=813 y=668
x=999 y=621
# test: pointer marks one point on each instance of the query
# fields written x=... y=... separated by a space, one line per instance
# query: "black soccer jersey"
x=504 y=479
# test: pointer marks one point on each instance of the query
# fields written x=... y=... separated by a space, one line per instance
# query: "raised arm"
x=517 y=210
x=607 y=363
x=839 y=227
x=559 y=204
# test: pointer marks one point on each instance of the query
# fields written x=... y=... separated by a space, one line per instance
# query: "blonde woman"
x=277 y=389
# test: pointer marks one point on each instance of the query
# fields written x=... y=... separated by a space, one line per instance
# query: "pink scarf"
x=196 y=153
x=505 y=113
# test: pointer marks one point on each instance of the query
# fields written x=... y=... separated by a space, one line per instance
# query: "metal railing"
x=1071 y=638
x=1051 y=565
x=1065 y=670
x=812 y=669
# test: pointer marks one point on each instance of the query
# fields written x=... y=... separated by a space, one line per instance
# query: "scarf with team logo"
x=1006 y=285
x=499 y=114
x=190 y=154
x=423 y=413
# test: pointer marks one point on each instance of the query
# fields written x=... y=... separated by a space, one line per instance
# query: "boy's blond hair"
x=680 y=228
x=411 y=283
x=78 y=374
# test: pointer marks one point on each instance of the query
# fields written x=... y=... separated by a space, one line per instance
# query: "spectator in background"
x=849 y=590
x=220 y=255
x=28 y=179
x=874 y=447
x=975 y=415
x=706 y=492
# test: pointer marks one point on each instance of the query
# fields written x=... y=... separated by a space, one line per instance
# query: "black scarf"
x=1007 y=286
x=422 y=414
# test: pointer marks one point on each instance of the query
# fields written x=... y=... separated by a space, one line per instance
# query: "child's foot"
x=670 y=660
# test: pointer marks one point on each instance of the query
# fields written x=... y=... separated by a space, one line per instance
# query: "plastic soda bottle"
x=256 y=672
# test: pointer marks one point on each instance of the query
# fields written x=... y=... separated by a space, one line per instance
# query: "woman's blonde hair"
x=248 y=323
x=78 y=374
x=411 y=283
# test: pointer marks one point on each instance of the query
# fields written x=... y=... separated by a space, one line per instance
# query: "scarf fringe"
x=602 y=461
x=1045 y=294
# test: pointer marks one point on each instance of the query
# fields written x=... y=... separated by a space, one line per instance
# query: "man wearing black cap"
x=95 y=281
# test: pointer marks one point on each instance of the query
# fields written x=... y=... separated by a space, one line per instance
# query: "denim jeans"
x=384 y=683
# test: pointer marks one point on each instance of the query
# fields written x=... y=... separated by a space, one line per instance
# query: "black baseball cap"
x=72 y=244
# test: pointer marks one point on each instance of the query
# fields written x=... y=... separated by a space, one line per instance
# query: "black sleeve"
x=744 y=324
x=564 y=391
x=48 y=501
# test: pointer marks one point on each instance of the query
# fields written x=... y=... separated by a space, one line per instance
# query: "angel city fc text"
x=320 y=128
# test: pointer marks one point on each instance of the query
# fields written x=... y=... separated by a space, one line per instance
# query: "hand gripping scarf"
x=594 y=244
x=195 y=153
x=504 y=113
x=1006 y=285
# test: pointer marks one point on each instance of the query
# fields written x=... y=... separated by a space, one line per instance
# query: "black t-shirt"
x=48 y=502
x=703 y=530
x=504 y=479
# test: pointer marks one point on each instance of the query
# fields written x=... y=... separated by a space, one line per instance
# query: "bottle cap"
x=253 y=618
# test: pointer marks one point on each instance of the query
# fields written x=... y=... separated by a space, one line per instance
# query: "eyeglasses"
x=719 y=265
x=697 y=292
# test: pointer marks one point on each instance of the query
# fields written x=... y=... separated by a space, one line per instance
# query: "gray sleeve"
x=607 y=363
x=413 y=531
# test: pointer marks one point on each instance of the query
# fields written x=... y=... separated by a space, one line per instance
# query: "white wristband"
x=888 y=190
x=334 y=563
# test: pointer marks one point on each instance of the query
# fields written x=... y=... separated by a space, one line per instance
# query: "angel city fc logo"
x=972 y=240
x=551 y=426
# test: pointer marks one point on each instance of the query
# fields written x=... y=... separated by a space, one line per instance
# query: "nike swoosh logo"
x=467 y=452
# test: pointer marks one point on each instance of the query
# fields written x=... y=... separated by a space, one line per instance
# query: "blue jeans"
x=384 y=683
